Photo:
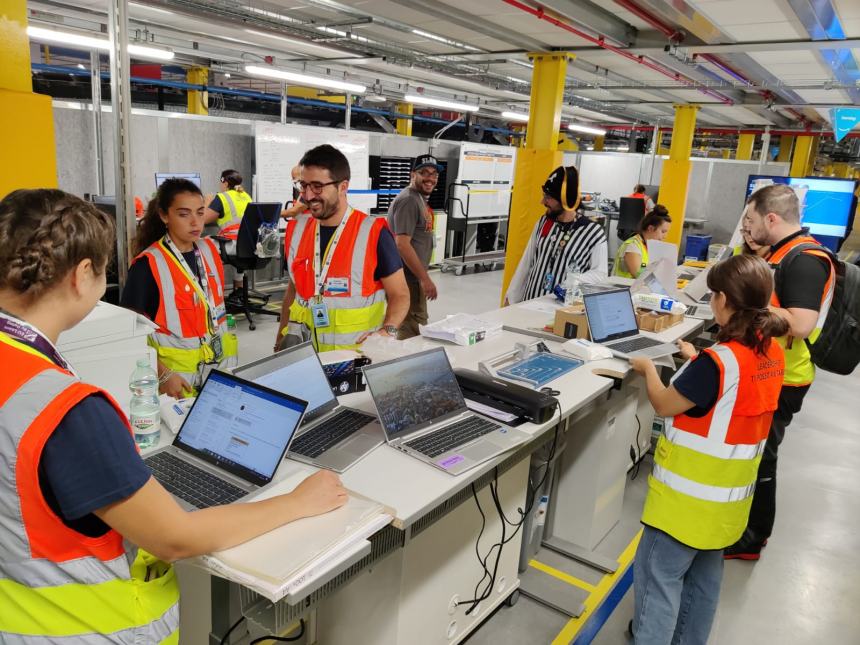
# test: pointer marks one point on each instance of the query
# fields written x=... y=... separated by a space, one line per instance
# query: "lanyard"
x=29 y=335
x=201 y=287
x=320 y=275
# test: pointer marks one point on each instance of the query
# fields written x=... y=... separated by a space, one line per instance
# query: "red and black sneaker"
x=744 y=549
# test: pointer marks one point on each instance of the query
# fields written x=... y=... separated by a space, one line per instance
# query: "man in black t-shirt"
x=772 y=217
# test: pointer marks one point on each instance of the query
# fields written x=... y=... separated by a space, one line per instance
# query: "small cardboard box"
x=656 y=321
x=570 y=322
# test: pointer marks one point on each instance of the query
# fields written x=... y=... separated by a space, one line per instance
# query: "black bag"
x=837 y=349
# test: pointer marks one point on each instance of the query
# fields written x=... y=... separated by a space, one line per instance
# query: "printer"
x=525 y=403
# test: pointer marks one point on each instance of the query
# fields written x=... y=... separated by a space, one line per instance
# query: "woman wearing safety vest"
x=717 y=412
x=226 y=209
x=177 y=281
x=632 y=257
x=86 y=533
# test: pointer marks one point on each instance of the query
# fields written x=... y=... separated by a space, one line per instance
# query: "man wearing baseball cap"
x=562 y=241
x=411 y=219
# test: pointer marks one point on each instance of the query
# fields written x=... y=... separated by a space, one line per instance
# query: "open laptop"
x=230 y=443
x=331 y=435
x=697 y=297
x=423 y=413
x=612 y=322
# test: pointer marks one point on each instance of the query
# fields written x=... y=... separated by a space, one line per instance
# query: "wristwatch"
x=391 y=330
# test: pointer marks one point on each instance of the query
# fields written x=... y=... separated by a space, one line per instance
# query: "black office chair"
x=246 y=259
x=631 y=210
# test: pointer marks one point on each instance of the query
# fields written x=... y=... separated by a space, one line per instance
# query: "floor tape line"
x=561 y=575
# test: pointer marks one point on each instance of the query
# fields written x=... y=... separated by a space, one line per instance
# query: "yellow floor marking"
x=561 y=575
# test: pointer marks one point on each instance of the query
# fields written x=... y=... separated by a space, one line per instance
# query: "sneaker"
x=744 y=549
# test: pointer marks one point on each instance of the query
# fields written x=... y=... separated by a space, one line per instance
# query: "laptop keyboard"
x=315 y=442
x=634 y=344
x=196 y=486
x=450 y=437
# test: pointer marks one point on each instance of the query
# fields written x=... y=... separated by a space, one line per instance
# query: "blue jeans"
x=676 y=590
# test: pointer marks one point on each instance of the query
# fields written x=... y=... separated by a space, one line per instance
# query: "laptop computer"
x=697 y=297
x=423 y=413
x=331 y=435
x=612 y=322
x=230 y=443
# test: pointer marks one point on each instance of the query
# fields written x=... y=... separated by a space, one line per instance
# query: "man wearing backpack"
x=803 y=294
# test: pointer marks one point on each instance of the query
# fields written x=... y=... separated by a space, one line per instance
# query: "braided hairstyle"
x=45 y=233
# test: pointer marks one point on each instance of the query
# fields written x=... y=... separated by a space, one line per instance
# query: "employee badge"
x=319 y=313
x=217 y=347
x=547 y=282
x=337 y=285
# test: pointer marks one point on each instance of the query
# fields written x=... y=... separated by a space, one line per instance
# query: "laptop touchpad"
x=360 y=444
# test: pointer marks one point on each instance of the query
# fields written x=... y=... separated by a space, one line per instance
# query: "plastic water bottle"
x=144 y=406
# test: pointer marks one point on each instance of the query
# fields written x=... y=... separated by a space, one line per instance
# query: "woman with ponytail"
x=717 y=412
x=177 y=281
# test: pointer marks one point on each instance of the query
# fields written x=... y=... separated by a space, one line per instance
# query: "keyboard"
x=634 y=344
x=198 y=487
x=450 y=437
x=315 y=442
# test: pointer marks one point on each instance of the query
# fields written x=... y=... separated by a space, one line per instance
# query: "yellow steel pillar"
x=802 y=156
x=404 y=126
x=727 y=154
x=539 y=157
x=198 y=100
x=786 y=141
x=746 y=143
x=675 y=180
x=598 y=142
x=843 y=170
x=813 y=155
x=28 y=155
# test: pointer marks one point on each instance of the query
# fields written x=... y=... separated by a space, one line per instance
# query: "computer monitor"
x=827 y=204
x=190 y=176
x=652 y=191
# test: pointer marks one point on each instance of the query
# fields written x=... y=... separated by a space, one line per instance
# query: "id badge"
x=319 y=313
x=217 y=347
x=337 y=285
x=547 y=282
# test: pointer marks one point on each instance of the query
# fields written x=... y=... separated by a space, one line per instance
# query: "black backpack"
x=837 y=349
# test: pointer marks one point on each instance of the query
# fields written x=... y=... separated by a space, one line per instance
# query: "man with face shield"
x=562 y=241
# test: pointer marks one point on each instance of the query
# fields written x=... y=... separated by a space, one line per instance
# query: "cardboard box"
x=656 y=321
x=570 y=322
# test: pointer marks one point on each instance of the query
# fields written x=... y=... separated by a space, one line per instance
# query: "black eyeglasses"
x=316 y=187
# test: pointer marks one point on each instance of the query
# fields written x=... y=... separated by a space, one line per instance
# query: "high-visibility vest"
x=620 y=268
x=352 y=313
x=799 y=369
x=233 y=205
x=705 y=469
x=183 y=312
x=642 y=196
x=58 y=585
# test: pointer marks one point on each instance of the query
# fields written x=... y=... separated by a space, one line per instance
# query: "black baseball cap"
x=425 y=160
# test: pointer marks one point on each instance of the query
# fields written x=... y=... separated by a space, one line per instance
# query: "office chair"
x=245 y=259
x=631 y=210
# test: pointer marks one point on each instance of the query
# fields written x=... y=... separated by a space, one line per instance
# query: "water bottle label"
x=142 y=424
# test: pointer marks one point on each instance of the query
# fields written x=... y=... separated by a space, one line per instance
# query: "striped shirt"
x=556 y=249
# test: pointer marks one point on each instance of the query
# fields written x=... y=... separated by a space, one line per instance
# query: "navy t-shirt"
x=388 y=260
x=217 y=206
x=700 y=383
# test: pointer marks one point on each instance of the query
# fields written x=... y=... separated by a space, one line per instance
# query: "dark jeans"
x=763 y=510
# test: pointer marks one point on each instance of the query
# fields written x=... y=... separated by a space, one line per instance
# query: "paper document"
x=543 y=305
x=462 y=329
x=487 y=410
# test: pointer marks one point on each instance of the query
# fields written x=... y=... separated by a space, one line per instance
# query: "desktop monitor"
x=190 y=176
x=827 y=204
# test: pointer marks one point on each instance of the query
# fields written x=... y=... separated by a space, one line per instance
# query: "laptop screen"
x=240 y=426
x=295 y=371
x=414 y=391
x=610 y=315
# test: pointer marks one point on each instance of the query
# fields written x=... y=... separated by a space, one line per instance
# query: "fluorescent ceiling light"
x=304 y=79
x=514 y=79
x=451 y=105
x=137 y=5
x=515 y=116
x=271 y=14
x=575 y=127
x=88 y=42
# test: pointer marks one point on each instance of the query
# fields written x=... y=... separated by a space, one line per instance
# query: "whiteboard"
x=613 y=175
x=280 y=146
x=488 y=174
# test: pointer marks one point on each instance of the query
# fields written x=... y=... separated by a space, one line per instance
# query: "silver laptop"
x=612 y=322
x=230 y=443
x=331 y=436
x=423 y=413
x=697 y=297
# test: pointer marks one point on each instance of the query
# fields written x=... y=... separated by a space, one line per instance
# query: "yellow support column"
x=746 y=143
x=598 y=143
x=539 y=157
x=29 y=152
x=198 y=100
x=726 y=154
x=675 y=180
x=802 y=156
x=843 y=170
x=813 y=154
x=786 y=141
x=404 y=126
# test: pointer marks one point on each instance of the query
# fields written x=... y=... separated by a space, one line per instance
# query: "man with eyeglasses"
x=411 y=219
x=346 y=276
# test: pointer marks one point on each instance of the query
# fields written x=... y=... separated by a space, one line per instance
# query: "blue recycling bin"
x=697 y=247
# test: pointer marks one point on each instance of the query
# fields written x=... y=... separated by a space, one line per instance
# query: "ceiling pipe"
x=705 y=129
x=540 y=14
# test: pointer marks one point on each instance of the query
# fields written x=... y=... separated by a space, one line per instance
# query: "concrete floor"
x=803 y=590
